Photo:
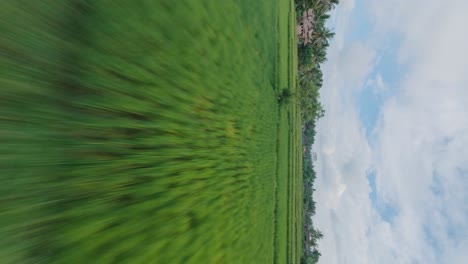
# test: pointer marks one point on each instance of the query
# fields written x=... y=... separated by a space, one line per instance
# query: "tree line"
x=310 y=79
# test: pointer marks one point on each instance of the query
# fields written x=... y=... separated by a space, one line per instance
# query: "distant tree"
x=286 y=96
x=310 y=80
x=320 y=111
x=321 y=36
x=319 y=56
x=315 y=256
x=327 y=5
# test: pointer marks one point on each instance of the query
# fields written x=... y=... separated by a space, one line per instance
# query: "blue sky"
x=386 y=210
x=371 y=99
x=393 y=146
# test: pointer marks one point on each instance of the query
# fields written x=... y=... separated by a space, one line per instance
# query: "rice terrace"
x=159 y=131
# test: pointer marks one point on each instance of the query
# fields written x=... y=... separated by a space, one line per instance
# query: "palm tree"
x=320 y=16
x=327 y=5
x=322 y=35
x=316 y=234
x=319 y=56
x=315 y=256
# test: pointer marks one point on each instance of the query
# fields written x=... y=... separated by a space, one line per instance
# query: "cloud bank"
x=400 y=194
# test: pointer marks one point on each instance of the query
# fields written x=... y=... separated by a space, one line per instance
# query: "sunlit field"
x=149 y=132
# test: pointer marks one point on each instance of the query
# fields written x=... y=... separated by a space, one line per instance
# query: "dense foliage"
x=311 y=56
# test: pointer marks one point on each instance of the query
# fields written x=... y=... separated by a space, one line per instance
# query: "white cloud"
x=344 y=155
x=339 y=21
x=421 y=150
x=355 y=63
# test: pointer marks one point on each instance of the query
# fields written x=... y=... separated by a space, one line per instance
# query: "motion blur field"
x=149 y=132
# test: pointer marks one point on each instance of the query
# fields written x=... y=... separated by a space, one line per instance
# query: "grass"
x=289 y=181
x=149 y=132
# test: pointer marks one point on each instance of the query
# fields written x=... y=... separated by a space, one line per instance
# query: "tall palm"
x=327 y=4
x=320 y=18
x=314 y=257
x=319 y=56
x=322 y=35
x=316 y=234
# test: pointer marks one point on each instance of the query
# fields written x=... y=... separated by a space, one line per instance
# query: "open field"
x=290 y=188
x=149 y=132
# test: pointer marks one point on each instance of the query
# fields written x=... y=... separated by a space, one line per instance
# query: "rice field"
x=149 y=132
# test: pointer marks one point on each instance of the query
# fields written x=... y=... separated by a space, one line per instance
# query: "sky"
x=392 y=168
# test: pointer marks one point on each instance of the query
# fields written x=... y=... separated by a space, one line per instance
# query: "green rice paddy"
x=149 y=132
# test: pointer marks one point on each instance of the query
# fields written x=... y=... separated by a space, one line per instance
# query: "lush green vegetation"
x=289 y=211
x=310 y=81
x=149 y=132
